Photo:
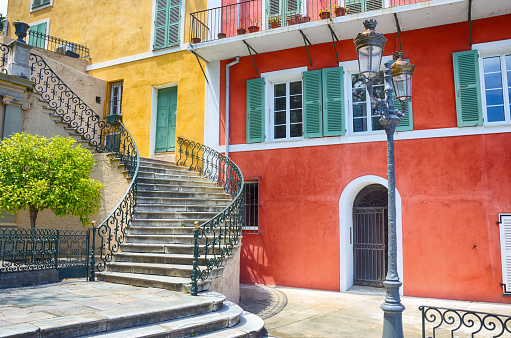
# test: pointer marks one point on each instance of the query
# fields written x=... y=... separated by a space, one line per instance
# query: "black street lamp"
x=398 y=80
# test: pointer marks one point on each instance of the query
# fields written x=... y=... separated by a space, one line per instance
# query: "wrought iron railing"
x=57 y=45
x=111 y=137
x=215 y=239
x=250 y=16
x=461 y=323
x=26 y=249
x=4 y=52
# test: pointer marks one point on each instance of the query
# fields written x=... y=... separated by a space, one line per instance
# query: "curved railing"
x=443 y=321
x=216 y=238
x=110 y=137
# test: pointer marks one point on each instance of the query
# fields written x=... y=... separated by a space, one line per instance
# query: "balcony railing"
x=253 y=16
x=57 y=45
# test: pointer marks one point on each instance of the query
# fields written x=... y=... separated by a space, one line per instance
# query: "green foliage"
x=41 y=173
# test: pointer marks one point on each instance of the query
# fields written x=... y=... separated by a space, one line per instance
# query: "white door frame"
x=348 y=196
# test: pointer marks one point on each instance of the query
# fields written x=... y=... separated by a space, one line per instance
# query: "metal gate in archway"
x=370 y=236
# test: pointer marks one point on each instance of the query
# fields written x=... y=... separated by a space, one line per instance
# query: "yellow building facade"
x=139 y=48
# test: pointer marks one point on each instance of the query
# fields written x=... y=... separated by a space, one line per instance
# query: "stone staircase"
x=158 y=250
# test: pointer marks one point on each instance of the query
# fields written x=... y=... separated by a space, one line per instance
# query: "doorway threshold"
x=366 y=290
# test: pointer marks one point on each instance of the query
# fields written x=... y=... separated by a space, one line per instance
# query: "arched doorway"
x=370 y=236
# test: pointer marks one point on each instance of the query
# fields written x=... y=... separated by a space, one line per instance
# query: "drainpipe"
x=227 y=83
x=6 y=25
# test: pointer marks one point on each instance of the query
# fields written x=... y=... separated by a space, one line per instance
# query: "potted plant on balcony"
x=254 y=26
x=306 y=18
x=221 y=35
x=324 y=14
x=241 y=30
x=340 y=11
x=196 y=40
x=274 y=21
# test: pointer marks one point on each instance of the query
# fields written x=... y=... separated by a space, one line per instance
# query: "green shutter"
x=333 y=101
x=406 y=123
x=38 y=38
x=255 y=111
x=167 y=22
x=467 y=88
x=312 y=104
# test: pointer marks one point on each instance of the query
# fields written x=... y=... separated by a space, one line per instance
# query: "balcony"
x=225 y=32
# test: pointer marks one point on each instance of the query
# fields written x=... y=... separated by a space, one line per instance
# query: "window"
x=251 y=206
x=314 y=106
x=167 y=22
x=357 y=6
x=363 y=121
x=497 y=88
x=505 y=251
x=287 y=110
x=37 y=35
x=284 y=9
x=39 y=3
x=115 y=98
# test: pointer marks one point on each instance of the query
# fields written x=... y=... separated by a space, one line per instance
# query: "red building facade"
x=321 y=189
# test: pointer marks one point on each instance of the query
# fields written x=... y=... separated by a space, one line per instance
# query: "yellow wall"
x=139 y=79
x=111 y=29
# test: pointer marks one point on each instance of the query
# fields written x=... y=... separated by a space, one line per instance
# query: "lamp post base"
x=392 y=311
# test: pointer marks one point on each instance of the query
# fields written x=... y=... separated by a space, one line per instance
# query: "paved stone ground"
x=291 y=312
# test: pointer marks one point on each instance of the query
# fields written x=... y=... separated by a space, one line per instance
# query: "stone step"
x=178 y=175
x=184 y=307
x=168 y=170
x=152 y=281
x=166 y=207
x=160 y=269
x=156 y=239
x=178 y=188
x=227 y=317
x=158 y=258
x=157 y=248
x=181 y=195
x=198 y=216
x=149 y=230
x=169 y=222
x=170 y=180
x=249 y=326
x=169 y=201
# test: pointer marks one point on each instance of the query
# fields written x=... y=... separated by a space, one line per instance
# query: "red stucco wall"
x=452 y=188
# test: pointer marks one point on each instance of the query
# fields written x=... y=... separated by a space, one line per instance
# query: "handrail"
x=57 y=45
x=468 y=323
x=105 y=136
x=216 y=238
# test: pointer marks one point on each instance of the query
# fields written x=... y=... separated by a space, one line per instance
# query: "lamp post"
x=398 y=80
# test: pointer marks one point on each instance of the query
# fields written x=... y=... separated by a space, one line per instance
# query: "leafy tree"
x=41 y=173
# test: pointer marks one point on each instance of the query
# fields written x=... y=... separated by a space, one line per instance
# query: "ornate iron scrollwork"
x=215 y=239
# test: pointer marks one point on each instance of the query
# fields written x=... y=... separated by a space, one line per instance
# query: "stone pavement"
x=292 y=312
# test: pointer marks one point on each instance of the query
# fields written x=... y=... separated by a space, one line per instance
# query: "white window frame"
x=505 y=251
x=117 y=111
x=489 y=49
x=350 y=68
x=272 y=78
x=505 y=90
x=40 y=7
x=47 y=21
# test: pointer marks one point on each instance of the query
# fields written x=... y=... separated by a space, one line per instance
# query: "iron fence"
x=111 y=137
x=255 y=15
x=437 y=321
x=25 y=249
x=4 y=52
x=216 y=238
x=57 y=45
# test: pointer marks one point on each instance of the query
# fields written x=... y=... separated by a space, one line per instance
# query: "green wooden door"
x=166 y=120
